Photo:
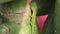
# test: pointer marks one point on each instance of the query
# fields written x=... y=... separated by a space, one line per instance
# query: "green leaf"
x=4 y=1
x=57 y=17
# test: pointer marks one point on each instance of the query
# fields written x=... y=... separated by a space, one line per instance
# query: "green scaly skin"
x=33 y=20
x=11 y=22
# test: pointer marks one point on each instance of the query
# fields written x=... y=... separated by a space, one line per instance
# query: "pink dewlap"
x=40 y=21
x=29 y=1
